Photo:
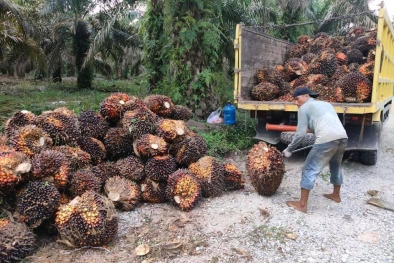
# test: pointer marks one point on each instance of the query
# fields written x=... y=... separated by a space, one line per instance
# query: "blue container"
x=229 y=114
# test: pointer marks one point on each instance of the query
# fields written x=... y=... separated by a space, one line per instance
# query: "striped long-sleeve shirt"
x=321 y=119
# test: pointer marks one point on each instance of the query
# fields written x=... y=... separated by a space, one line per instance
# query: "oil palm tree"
x=340 y=8
x=73 y=28
x=115 y=39
x=18 y=50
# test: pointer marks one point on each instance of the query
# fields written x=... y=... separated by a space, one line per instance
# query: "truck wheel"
x=369 y=157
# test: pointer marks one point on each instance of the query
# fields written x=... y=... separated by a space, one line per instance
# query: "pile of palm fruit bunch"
x=339 y=68
x=70 y=175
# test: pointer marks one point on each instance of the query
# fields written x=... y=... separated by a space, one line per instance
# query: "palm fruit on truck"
x=265 y=167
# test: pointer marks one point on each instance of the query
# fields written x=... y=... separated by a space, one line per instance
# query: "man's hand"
x=286 y=153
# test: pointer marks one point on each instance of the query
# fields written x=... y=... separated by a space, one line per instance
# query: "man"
x=331 y=140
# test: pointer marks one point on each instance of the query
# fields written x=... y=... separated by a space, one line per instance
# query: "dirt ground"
x=242 y=226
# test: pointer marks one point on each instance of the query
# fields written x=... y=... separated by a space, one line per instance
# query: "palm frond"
x=10 y=11
x=101 y=66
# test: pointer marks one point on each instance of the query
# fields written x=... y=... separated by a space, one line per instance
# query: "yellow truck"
x=362 y=121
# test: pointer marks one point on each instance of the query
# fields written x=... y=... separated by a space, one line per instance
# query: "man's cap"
x=304 y=90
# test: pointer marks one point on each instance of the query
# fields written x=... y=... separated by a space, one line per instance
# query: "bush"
x=230 y=138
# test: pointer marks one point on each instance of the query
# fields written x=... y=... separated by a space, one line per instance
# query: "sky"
x=388 y=4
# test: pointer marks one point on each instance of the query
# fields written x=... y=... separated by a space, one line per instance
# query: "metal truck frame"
x=362 y=121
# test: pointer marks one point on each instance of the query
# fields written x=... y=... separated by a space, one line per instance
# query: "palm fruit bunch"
x=149 y=145
x=30 y=139
x=37 y=202
x=139 y=121
x=118 y=143
x=371 y=55
x=183 y=189
x=134 y=103
x=105 y=170
x=265 y=167
x=339 y=73
x=84 y=180
x=113 y=106
x=17 y=241
x=88 y=220
x=307 y=59
x=18 y=120
x=52 y=164
x=125 y=194
x=341 y=58
x=62 y=127
x=365 y=44
x=158 y=168
x=271 y=75
x=233 y=177
x=326 y=93
x=182 y=113
x=304 y=39
x=325 y=64
x=354 y=56
x=265 y=91
x=92 y=124
x=76 y=156
x=14 y=166
x=294 y=68
x=153 y=191
x=131 y=168
x=171 y=130
x=296 y=51
x=309 y=80
x=367 y=69
x=355 y=87
x=336 y=58
x=94 y=147
x=317 y=45
x=160 y=104
x=189 y=150
x=287 y=138
x=210 y=173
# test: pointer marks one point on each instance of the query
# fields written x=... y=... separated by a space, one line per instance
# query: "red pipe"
x=280 y=127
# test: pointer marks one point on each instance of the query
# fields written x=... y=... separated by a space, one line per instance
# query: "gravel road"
x=242 y=226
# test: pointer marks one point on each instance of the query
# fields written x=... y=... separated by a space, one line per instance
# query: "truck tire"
x=369 y=157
